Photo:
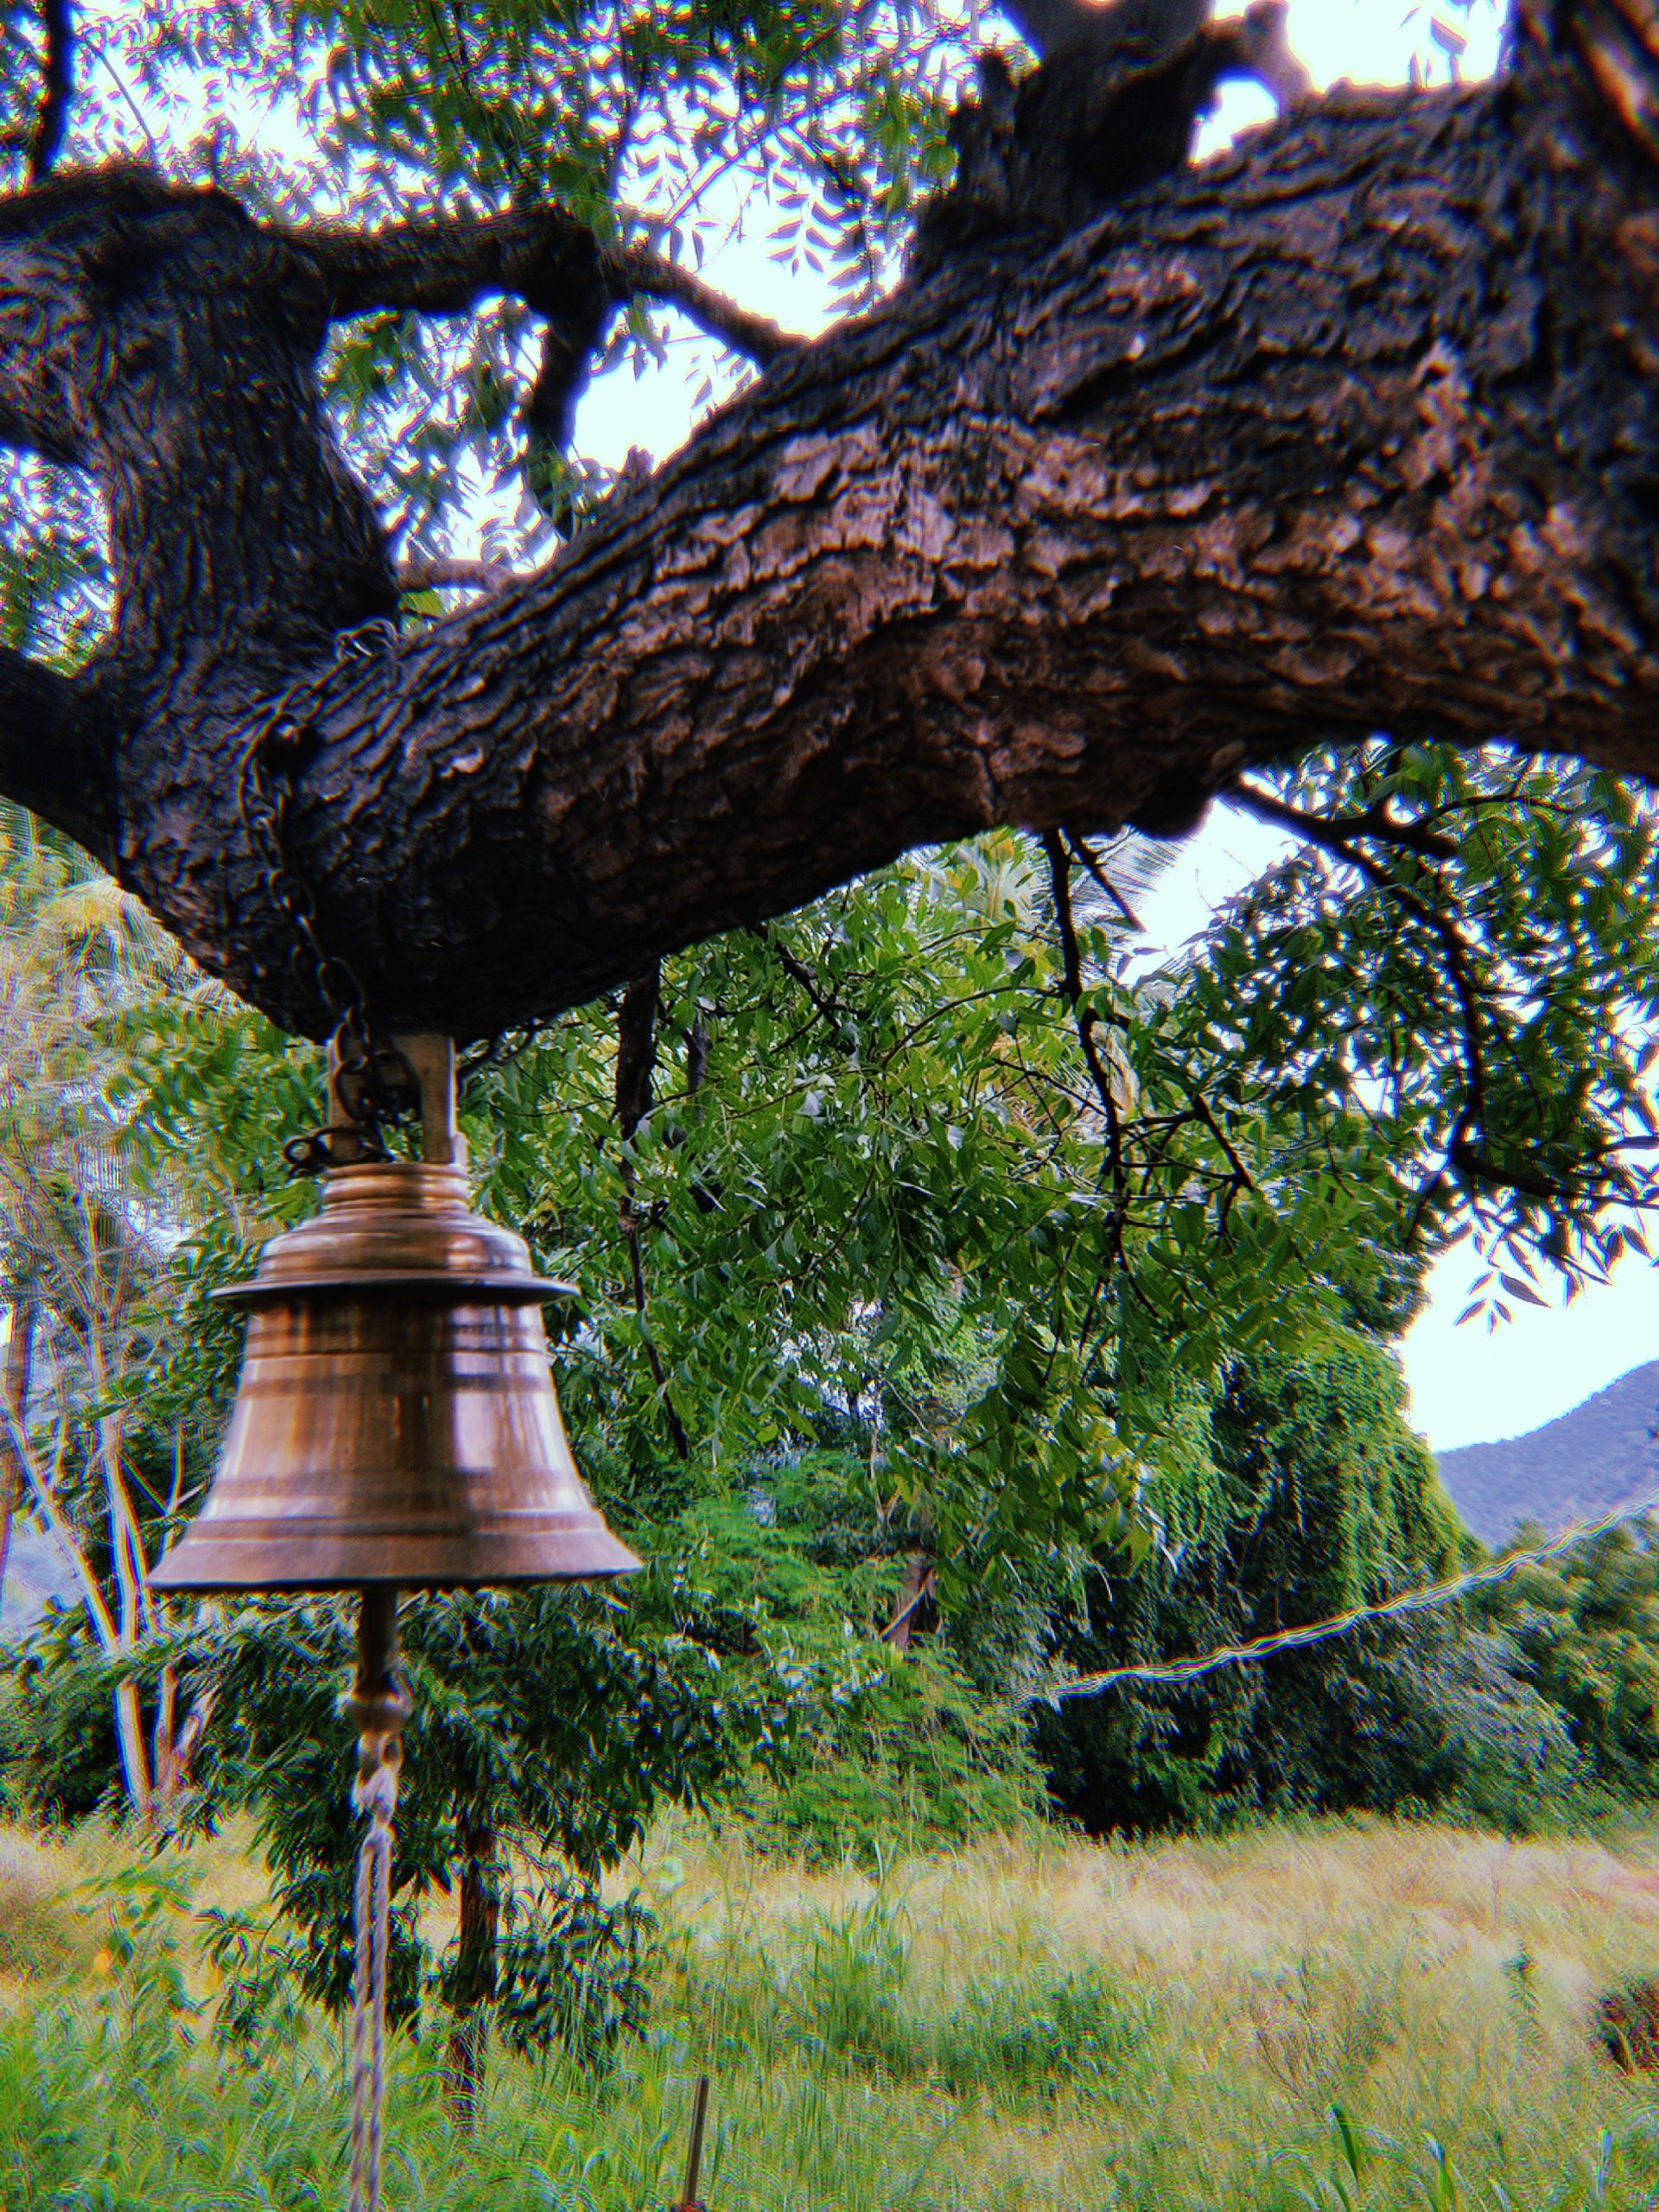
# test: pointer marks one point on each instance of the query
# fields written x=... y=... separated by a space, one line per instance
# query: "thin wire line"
x=1300 y=1639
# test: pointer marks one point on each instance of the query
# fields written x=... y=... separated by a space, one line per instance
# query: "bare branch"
x=442 y=574
x=57 y=86
x=543 y=256
x=55 y=754
x=633 y=272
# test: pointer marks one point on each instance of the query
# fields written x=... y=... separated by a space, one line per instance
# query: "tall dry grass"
x=1355 y=2015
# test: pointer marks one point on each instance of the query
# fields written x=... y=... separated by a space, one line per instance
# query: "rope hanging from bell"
x=379 y=1707
x=395 y=1427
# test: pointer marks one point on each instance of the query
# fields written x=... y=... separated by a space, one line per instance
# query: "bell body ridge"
x=396 y=1420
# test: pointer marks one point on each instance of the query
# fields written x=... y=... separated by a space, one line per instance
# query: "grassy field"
x=1343 y=2017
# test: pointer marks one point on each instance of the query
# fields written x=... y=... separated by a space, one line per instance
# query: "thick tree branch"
x=1114 y=106
x=1351 y=430
x=1147 y=28
x=440 y=573
x=543 y=256
x=1618 y=42
x=444 y=265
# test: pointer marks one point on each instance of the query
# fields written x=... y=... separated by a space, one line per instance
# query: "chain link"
x=374 y=1084
x=501 y=1049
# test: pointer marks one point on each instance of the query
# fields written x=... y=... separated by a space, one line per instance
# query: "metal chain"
x=501 y=1049
x=375 y=1085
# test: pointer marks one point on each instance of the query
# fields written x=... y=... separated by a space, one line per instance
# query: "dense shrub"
x=1312 y=1495
x=865 y=1750
x=852 y=1994
x=914 y=1758
x=1584 y=1630
x=58 y=1758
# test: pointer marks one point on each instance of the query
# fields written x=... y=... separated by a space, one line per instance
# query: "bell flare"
x=243 y=1555
x=396 y=1420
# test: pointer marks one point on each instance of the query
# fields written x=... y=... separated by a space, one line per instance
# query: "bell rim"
x=494 y=1289
x=177 y=1573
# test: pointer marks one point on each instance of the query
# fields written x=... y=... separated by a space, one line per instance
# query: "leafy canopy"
x=941 y=1156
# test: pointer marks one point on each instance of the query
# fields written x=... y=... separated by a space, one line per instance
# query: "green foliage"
x=914 y=1757
x=1009 y=2034
x=58 y=1757
x=1057 y=1275
x=257 y=2013
x=849 y=1992
x=572 y=1971
x=1314 y=1496
x=1462 y=950
x=539 y=1734
x=859 y=1750
x=1584 y=1628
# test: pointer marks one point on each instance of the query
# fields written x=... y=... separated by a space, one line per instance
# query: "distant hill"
x=36 y=1570
x=1596 y=1459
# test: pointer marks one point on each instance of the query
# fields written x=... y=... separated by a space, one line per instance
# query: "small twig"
x=636 y=1059
x=1082 y=851
x=831 y=1007
x=1084 y=1017
x=1336 y=836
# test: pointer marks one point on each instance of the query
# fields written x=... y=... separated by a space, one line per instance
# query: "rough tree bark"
x=1356 y=428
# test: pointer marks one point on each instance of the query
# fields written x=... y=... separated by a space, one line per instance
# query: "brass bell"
x=395 y=1422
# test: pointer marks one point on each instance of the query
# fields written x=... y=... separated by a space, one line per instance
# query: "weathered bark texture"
x=1355 y=429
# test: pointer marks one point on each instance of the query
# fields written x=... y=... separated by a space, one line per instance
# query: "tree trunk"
x=14 y=1407
x=474 y=1981
x=130 y=1751
x=1352 y=430
x=913 y=1593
